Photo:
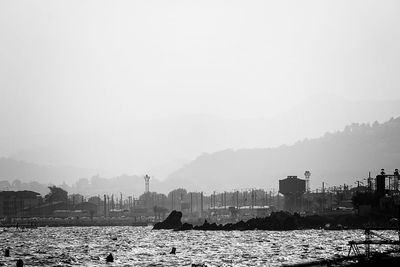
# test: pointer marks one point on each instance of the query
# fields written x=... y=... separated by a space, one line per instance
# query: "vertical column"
x=105 y=206
x=214 y=200
x=201 y=204
x=237 y=199
x=225 y=198
x=191 y=203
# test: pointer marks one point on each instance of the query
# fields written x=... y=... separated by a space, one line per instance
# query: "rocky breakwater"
x=173 y=221
x=277 y=221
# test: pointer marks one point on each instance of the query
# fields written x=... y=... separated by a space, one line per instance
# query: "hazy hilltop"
x=160 y=146
x=336 y=158
x=127 y=185
x=11 y=169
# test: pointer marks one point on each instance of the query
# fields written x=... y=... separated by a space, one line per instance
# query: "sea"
x=142 y=246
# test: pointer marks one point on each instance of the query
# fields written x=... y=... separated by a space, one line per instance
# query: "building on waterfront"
x=293 y=189
x=14 y=202
x=76 y=198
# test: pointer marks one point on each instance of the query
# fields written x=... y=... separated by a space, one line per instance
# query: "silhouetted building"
x=46 y=209
x=387 y=183
x=14 y=202
x=292 y=188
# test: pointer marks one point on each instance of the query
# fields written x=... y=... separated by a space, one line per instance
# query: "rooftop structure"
x=146 y=183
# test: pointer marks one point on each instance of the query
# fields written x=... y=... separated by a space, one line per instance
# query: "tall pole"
x=323 y=196
x=225 y=198
x=237 y=199
x=201 y=204
x=251 y=199
x=369 y=182
x=108 y=205
x=255 y=198
x=191 y=203
x=105 y=206
x=214 y=199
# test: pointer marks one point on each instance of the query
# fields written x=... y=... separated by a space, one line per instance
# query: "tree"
x=56 y=194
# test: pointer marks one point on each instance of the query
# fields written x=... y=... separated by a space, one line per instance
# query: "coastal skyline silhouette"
x=200 y=133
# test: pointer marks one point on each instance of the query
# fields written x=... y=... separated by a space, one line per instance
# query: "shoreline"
x=282 y=221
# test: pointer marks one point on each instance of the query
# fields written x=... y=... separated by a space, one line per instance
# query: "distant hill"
x=128 y=185
x=335 y=158
x=20 y=175
x=11 y=169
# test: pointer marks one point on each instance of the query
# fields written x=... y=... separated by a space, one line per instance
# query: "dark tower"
x=380 y=183
x=292 y=188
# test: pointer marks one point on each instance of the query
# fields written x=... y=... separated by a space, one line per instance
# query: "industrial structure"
x=146 y=184
x=307 y=175
x=293 y=189
x=13 y=203
x=387 y=183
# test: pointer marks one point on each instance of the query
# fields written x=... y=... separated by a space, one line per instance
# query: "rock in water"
x=20 y=263
x=110 y=258
x=173 y=221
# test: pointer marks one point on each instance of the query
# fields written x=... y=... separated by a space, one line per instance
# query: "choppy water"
x=140 y=246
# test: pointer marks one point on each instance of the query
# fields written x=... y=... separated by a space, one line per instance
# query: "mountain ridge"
x=334 y=158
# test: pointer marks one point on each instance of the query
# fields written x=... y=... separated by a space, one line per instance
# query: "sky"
x=136 y=86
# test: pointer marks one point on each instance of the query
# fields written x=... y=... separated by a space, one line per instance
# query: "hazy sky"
x=125 y=74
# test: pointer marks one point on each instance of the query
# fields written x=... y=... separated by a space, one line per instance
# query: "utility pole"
x=214 y=200
x=369 y=182
x=108 y=205
x=323 y=196
x=252 y=199
x=255 y=198
x=201 y=204
x=105 y=206
x=237 y=199
x=191 y=203
x=225 y=198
